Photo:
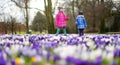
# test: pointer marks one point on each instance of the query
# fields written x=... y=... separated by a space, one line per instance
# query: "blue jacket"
x=81 y=22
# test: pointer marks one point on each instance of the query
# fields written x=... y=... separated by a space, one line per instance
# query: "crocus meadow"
x=48 y=49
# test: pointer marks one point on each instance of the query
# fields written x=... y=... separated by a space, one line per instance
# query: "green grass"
x=31 y=33
x=113 y=32
x=73 y=33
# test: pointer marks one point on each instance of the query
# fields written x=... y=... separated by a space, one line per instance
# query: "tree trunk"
x=49 y=16
x=12 y=27
x=102 y=26
x=27 y=16
x=116 y=23
x=102 y=22
x=46 y=11
x=94 y=16
x=51 y=26
x=6 y=28
x=94 y=21
x=73 y=13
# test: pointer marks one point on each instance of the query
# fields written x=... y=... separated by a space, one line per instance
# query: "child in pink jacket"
x=60 y=21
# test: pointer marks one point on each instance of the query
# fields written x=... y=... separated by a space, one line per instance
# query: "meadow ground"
x=48 y=49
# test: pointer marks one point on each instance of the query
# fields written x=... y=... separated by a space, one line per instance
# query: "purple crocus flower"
x=69 y=59
x=36 y=46
x=31 y=39
x=80 y=62
x=115 y=36
x=7 y=44
x=48 y=56
x=70 y=42
x=13 y=62
x=10 y=38
x=54 y=44
x=85 y=43
x=116 y=53
x=41 y=38
x=56 y=58
x=21 y=39
x=73 y=41
x=40 y=53
x=2 y=60
x=98 y=61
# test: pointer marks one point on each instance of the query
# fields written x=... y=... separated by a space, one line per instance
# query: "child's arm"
x=76 y=21
x=66 y=18
x=56 y=20
x=85 y=22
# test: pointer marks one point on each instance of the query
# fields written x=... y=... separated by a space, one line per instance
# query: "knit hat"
x=80 y=12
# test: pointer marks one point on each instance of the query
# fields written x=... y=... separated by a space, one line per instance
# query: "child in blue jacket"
x=81 y=23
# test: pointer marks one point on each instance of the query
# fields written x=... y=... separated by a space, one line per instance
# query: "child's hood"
x=81 y=16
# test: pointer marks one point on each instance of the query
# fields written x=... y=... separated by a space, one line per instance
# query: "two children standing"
x=61 y=18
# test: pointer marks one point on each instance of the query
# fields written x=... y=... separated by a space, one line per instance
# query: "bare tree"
x=12 y=25
x=115 y=27
x=49 y=15
x=5 y=26
x=24 y=4
x=117 y=6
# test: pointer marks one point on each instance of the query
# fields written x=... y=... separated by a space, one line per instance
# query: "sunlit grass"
x=32 y=32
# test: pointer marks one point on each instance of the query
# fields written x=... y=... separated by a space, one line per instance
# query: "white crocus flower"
x=110 y=48
x=84 y=55
x=110 y=56
x=106 y=40
x=14 y=48
x=22 y=60
x=7 y=49
x=16 y=41
x=38 y=58
x=118 y=47
x=103 y=39
x=84 y=48
x=34 y=52
x=65 y=37
x=44 y=52
x=20 y=46
x=94 y=54
x=62 y=62
x=5 y=56
x=26 y=42
x=104 y=54
x=65 y=51
x=54 y=38
x=119 y=40
x=80 y=39
x=90 y=43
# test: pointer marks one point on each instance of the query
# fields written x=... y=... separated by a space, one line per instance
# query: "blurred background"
x=24 y=16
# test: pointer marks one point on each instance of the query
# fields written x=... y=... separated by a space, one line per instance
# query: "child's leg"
x=82 y=32
x=64 y=30
x=58 y=31
x=79 y=30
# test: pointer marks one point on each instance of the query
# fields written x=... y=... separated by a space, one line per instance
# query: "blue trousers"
x=81 y=32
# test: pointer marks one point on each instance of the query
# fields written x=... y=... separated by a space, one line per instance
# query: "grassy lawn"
x=71 y=33
x=31 y=33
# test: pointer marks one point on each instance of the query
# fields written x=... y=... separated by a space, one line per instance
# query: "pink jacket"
x=61 y=19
